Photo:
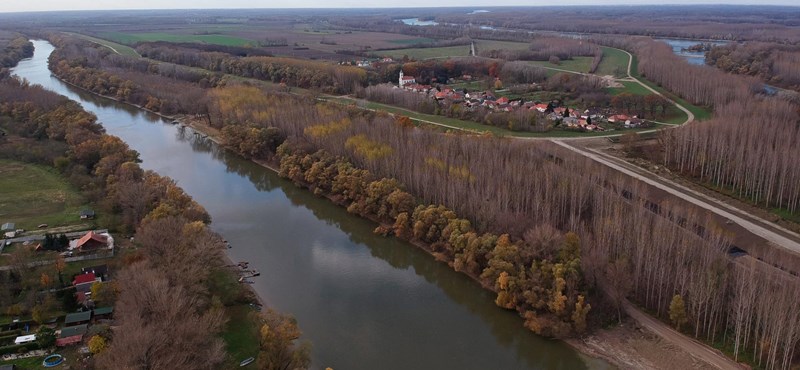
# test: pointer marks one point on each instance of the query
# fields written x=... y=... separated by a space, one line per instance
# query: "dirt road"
x=696 y=349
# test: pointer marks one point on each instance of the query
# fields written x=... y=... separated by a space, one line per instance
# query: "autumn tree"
x=677 y=312
x=279 y=343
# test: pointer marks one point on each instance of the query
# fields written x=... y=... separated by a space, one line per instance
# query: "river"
x=364 y=301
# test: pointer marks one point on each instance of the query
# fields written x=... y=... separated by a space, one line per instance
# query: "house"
x=405 y=80
x=618 y=118
x=541 y=107
x=8 y=226
x=502 y=101
x=84 y=278
x=87 y=214
x=92 y=241
x=71 y=335
x=77 y=318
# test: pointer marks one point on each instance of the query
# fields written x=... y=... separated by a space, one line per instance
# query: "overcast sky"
x=43 y=5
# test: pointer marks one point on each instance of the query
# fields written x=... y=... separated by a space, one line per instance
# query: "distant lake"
x=418 y=22
x=696 y=58
x=478 y=12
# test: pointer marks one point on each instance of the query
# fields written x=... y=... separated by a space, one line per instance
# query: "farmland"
x=428 y=53
x=132 y=38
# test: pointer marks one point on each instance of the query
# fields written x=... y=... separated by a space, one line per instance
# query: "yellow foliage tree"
x=97 y=344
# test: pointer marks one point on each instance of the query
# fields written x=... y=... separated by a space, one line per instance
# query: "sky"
x=45 y=5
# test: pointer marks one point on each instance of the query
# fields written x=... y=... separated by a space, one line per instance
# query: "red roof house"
x=92 y=241
x=84 y=278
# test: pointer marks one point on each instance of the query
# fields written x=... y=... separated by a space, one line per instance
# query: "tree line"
x=774 y=63
x=13 y=48
x=306 y=74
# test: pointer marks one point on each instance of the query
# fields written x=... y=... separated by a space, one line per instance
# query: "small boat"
x=246 y=361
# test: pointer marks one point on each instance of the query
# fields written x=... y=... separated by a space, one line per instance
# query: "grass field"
x=132 y=38
x=614 y=63
x=427 y=53
x=31 y=195
x=483 y=45
x=240 y=334
x=29 y=363
x=630 y=87
x=421 y=40
x=118 y=48
x=576 y=64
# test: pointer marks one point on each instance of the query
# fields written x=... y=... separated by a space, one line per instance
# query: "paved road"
x=693 y=347
x=763 y=228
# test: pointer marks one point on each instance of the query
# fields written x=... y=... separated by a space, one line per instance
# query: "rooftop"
x=73 y=331
x=77 y=317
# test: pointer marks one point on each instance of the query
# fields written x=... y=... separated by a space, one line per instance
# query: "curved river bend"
x=364 y=301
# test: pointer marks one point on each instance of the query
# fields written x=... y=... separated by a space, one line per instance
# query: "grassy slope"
x=31 y=195
x=119 y=48
x=614 y=63
x=131 y=38
x=499 y=45
x=629 y=87
x=576 y=64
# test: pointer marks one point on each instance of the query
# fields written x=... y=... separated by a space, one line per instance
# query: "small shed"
x=103 y=311
x=25 y=339
x=71 y=335
x=8 y=226
x=77 y=318
x=87 y=214
x=73 y=330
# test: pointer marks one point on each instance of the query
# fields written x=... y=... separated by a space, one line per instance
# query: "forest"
x=773 y=63
x=545 y=244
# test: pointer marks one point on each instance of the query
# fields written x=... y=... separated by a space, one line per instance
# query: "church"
x=406 y=80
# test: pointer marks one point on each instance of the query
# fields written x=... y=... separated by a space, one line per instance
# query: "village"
x=589 y=119
x=71 y=313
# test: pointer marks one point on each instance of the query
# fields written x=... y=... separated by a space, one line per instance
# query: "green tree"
x=677 y=312
x=46 y=337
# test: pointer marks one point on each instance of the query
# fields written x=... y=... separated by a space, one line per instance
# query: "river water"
x=364 y=301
